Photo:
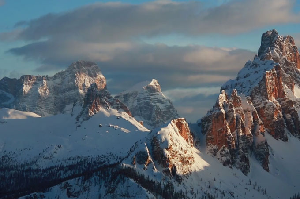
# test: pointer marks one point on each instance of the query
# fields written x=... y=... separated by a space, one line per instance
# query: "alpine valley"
x=66 y=136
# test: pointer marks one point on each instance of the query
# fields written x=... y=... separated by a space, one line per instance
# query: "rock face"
x=97 y=98
x=50 y=95
x=264 y=98
x=233 y=128
x=169 y=149
x=147 y=103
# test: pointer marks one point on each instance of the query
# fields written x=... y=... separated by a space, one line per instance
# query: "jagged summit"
x=268 y=40
x=147 y=103
x=152 y=85
x=83 y=63
x=263 y=99
x=46 y=95
x=91 y=68
x=278 y=48
x=275 y=50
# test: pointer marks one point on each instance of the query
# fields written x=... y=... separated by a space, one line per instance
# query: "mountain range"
x=66 y=136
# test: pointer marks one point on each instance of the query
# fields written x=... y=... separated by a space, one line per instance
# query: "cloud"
x=195 y=107
x=106 y=22
x=3 y=73
x=296 y=39
x=11 y=74
x=110 y=34
x=181 y=93
x=174 y=66
x=2 y=2
x=10 y=36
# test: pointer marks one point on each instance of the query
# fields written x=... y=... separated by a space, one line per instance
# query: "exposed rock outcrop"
x=264 y=98
x=169 y=149
x=232 y=128
x=97 y=98
x=46 y=95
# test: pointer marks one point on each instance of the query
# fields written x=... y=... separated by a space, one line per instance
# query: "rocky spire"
x=279 y=48
x=262 y=99
x=153 y=86
x=147 y=103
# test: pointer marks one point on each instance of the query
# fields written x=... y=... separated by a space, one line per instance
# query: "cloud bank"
x=105 y=22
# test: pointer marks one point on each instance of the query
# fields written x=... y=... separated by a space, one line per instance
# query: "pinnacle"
x=91 y=68
x=153 y=86
x=268 y=40
x=82 y=63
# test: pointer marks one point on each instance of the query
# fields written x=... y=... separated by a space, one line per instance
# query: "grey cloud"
x=297 y=39
x=2 y=2
x=106 y=22
x=110 y=34
x=194 y=108
x=244 y=15
x=3 y=73
x=11 y=74
x=176 y=66
x=178 y=94
x=21 y=23
x=10 y=36
x=193 y=103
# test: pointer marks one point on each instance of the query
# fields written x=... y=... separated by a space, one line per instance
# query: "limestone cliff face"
x=232 y=128
x=169 y=149
x=46 y=95
x=264 y=98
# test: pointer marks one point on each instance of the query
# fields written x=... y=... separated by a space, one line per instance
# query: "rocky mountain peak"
x=90 y=68
x=147 y=103
x=263 y=99
x=168 y=149
x=268 y=39
x=153 y=86
x=278 y=48
x=46 y=95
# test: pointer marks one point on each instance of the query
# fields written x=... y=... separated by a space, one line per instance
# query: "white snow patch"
x=6 y=113
x=54 y=139
x=249 y=77
x=297 y=91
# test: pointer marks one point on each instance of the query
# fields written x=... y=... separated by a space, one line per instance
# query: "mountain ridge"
x=245 y=147
x=46 y=95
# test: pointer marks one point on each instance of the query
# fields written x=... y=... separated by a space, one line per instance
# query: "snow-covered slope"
x=148 y=104
x=14 y=114
x=41 y=144
x=61 y=138
x=122 y=159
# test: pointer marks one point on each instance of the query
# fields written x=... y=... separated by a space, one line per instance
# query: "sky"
x=190 y=47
